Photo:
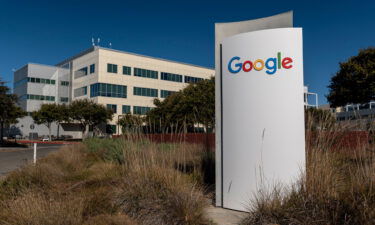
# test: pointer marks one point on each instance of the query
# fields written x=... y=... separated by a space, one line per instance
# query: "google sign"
x=272 y=64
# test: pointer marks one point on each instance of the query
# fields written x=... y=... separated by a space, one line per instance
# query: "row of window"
x=166 y=93
x=119 y=91
x=84 y=71
x=139 y=110
x=148 y=92
x=39 y=81
x=108 y=90
x=139 y=72
x=171 y=77
x=80 y=91
x=189 y=79
x=64 y=83
x=34 y=80
x=41 y=97
x=64 y=99
x=145 y=73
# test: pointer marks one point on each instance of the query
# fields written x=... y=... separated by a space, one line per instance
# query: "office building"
x=123 y=81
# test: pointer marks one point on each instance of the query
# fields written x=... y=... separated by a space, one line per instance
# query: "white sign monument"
x=262 y=137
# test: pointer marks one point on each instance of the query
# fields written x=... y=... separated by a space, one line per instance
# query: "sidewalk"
x=222 y=216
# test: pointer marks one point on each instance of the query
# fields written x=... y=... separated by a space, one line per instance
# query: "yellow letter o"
x=256 y=62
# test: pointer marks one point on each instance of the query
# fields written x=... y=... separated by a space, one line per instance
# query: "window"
x=80 y=91
x=80 y=73
x=171 y=77
x=112 y=107
x=111 y=68
x=165 y=93
x=41 y=97
x=35 y=80
x=148 y=92
x=125 y=109
x=126 y=70
x=141 y=110
x=110 y=129
x=189 y=79
x=64 y=83
x=108 y=90
x=145 y=73
x=64 y=99
x=92 y=68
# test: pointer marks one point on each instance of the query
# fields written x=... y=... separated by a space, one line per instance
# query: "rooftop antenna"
x=93 y=41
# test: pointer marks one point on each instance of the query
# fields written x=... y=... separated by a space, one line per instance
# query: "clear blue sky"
x=49 y=31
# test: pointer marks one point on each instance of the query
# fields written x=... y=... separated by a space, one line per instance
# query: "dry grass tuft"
x=108 y=182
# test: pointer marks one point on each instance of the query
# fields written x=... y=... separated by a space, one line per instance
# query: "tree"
x=130 y=123
x=89 y=113
x=64 y=116
x=9 y=111
x=355 y=81
x=48 y=114
x=186 y=108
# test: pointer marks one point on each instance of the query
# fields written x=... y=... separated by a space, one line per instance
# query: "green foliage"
x=131 y=123
x=48 y=114
x=194 y=104
x=355 y=81
x=9 y=111
x=89 y=113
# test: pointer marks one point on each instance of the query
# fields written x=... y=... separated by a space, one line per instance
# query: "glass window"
x=148 y=92
x=110 y=129
x=64 y=99
x=165 y=93
x=126 y=70
x=145 y=73
x=111 y=68
x=108 y=90
x=189 y=79
x=92 y=68
x=125 y=109
x=80 y=91
x=80 y=73
x=112 y=107
x=141 y=110
x=171 y=77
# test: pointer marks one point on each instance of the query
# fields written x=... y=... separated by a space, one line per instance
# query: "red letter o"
x=250 y=66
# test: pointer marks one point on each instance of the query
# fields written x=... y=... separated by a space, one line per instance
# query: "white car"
x=45 y=139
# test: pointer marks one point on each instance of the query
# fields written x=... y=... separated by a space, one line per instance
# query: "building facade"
x=125 y=82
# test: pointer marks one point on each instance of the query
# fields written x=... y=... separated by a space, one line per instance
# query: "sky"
x=47 y=32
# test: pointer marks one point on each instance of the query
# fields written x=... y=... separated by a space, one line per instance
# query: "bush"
x=108 y=182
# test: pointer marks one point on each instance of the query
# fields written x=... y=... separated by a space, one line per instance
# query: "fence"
x=347 y=140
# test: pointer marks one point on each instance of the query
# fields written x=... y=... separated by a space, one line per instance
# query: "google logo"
x=271 y=64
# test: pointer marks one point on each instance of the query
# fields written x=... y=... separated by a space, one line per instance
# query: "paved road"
x=13 y=158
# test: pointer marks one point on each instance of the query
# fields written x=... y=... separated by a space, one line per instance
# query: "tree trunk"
x=1 y=132
x=58 y=130
x=49 y=132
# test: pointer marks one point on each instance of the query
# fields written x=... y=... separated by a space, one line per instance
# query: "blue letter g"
x=238 y=66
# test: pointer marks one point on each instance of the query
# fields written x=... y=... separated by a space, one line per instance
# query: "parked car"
x=45 y=139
